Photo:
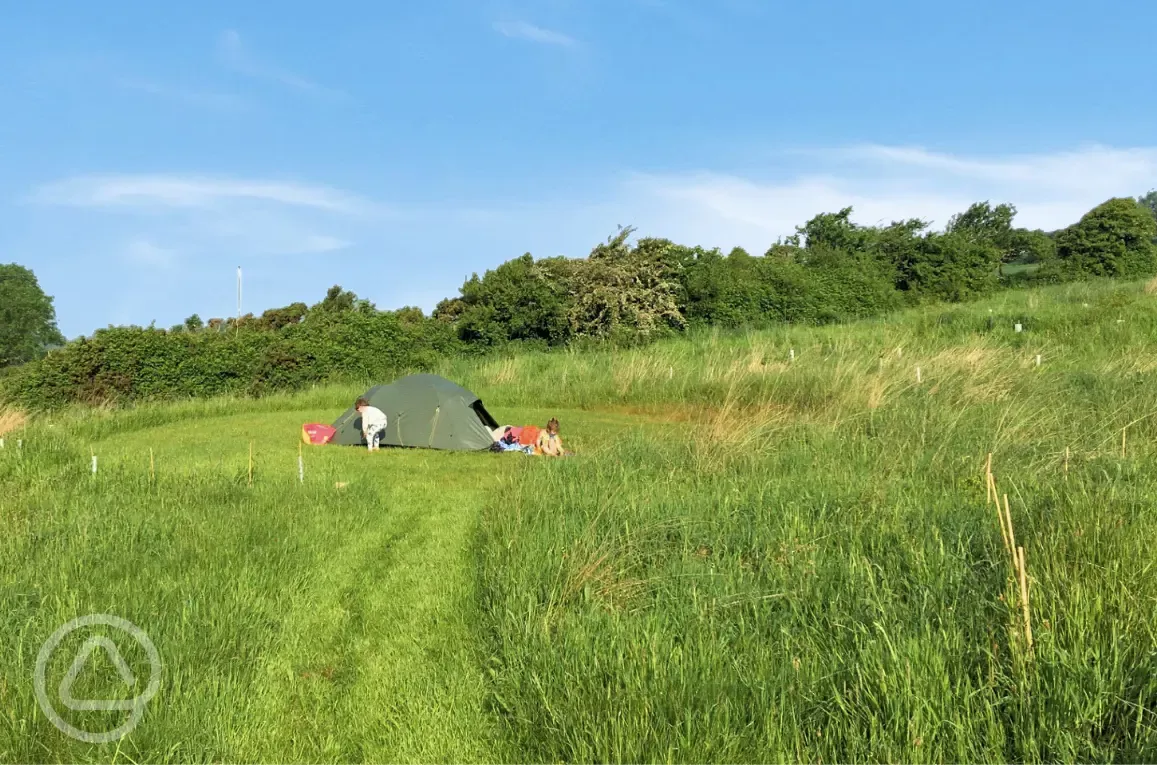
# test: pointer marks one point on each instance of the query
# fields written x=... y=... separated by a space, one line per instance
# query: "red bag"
x=316 y=434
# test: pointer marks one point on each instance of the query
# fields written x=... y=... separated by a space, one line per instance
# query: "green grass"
x=751 y=559
x=296 y=621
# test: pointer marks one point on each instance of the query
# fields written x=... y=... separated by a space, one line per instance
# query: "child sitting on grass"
x=549 y=444
x=373 y=423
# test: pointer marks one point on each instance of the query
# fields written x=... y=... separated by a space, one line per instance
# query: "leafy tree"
x=1113 y=239
x=27 y=317
x=410 y=315
x=897 y=248
x=834 y=231
x=450 y=310
x=1033 y=246
x=276 y=318
x=982 y=223
x=522 y=299
x=1149 y=202
x=336 y=300
x=620 y=290
x=194 y=323
x=955 y=267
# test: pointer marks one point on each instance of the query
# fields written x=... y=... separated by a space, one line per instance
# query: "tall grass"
x=809 y=569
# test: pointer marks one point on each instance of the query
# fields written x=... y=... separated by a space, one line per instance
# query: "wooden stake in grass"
x=988 y=480
x=1024 y=596
x=152 y=467
x=1000 y=520
x=1011 y=533
x=251 y=463
x=93 y=452
x=917 y=374
x=1003 y=530
x=1123 y=441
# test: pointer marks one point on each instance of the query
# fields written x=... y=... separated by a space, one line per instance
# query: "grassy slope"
x=778 y=560
x=815 y=574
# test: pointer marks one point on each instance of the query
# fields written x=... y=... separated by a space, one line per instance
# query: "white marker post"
x=1038 y=359
x=1017 y=327
x=791 y=354
x=300 y=469
x=1 y=443
x=94 y=464
x=918 y=374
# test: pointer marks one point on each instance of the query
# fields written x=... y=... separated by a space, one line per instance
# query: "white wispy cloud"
x=235 y=55
x=202 y=99
x=1094 y=167
x=881 y=184
x=205 y=215
x=129 y=191
x=522 y=30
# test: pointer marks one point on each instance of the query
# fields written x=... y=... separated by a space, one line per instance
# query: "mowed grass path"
x=296 y=621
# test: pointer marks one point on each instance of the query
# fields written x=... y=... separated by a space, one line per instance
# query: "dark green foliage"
x=276 y=318
x=953 y=267
x=1113 y=239
x=337 y=300
x=122 y=364
x=520 y=300
x=984 y=223
x=27 y=318
x=1149 y=202
x=816 y=285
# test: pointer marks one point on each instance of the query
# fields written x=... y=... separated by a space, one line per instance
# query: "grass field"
x=771 y=546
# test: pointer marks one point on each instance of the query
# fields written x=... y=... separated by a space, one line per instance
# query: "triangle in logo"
x=82 y=656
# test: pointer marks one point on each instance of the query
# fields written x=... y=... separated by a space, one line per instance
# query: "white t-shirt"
x=373 y=419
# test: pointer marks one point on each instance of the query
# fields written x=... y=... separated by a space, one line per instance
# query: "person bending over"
x=373 y=423
x=549 y=443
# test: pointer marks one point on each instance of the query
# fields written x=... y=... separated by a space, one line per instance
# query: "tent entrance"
x=484 y=415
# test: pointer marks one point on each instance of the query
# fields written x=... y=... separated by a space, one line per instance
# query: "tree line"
x=830 y=270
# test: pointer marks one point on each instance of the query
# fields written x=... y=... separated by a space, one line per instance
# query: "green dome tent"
x=423 y=410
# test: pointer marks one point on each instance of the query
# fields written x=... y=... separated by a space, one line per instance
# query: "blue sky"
x=394 y=148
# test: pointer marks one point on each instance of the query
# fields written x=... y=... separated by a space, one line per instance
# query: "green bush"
x=1112 y=239
x=124 y=364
